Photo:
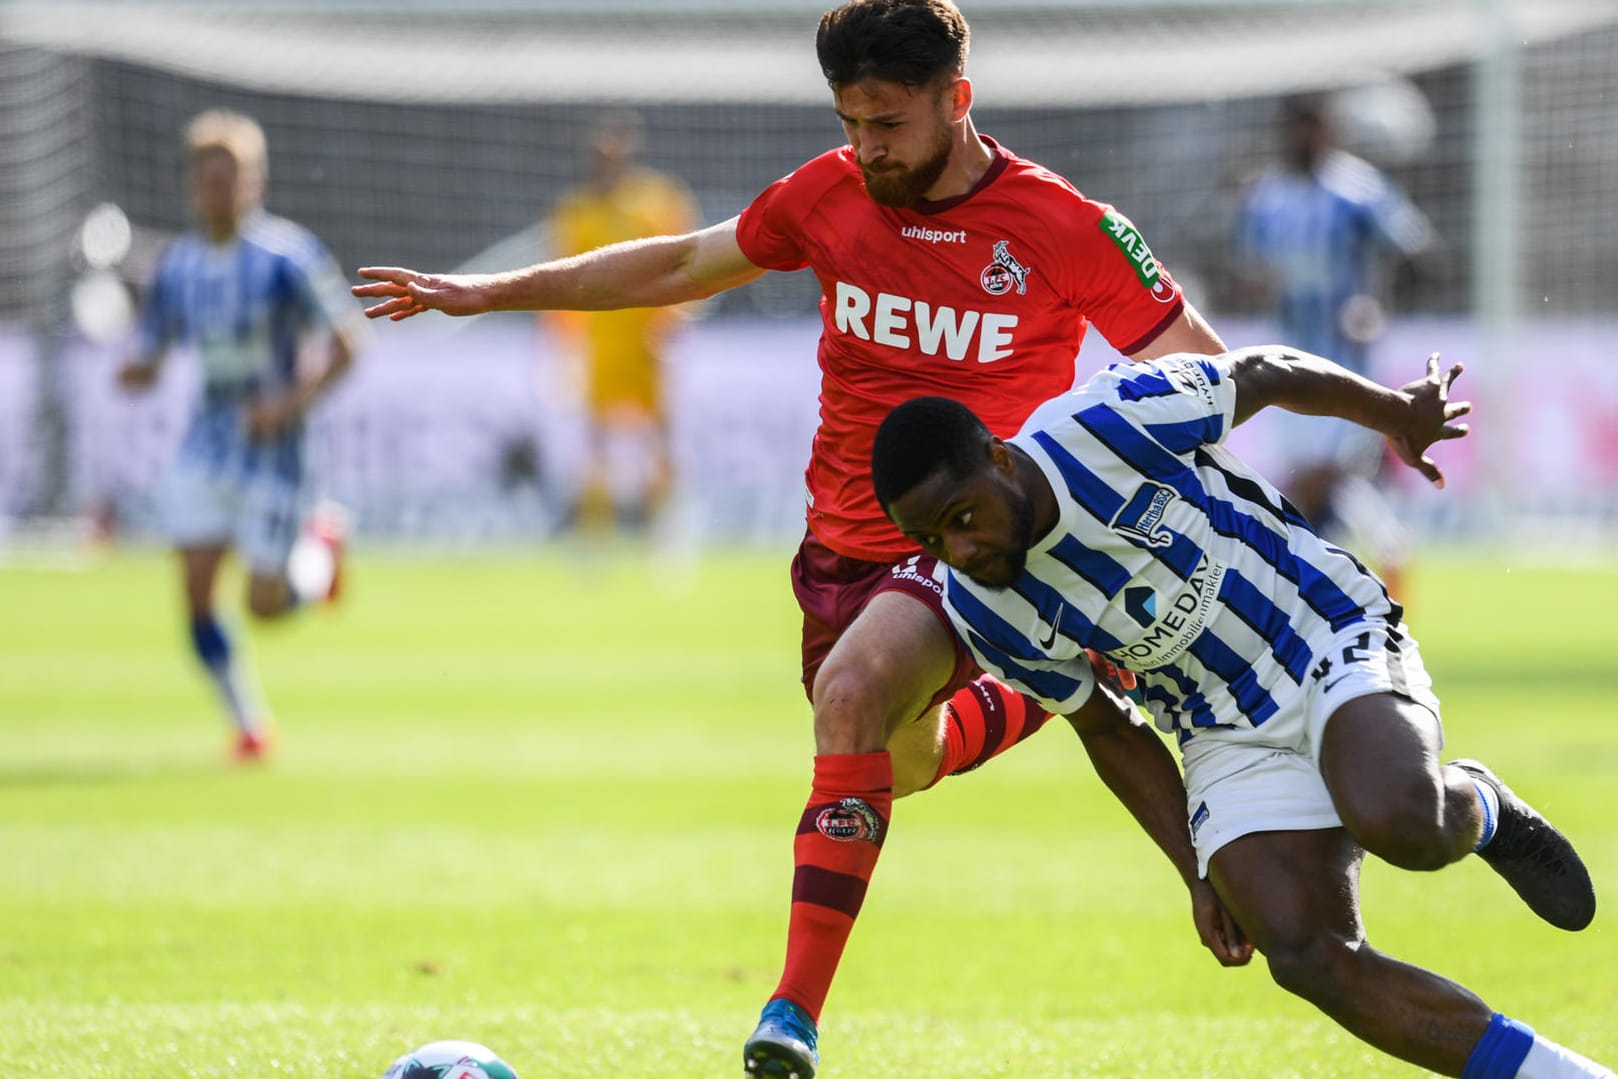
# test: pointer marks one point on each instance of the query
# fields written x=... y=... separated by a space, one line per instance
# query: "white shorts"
x=1267 y=779
x=258 y=514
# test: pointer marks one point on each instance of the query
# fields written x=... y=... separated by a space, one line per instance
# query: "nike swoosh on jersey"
x=1047 y=642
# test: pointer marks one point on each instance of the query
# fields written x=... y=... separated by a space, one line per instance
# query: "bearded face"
x=902 y=136
x=896 y=183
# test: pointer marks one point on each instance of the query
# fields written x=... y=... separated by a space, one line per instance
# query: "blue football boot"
x=784 y=1043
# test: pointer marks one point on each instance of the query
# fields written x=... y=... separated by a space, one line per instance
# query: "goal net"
x=439 y=135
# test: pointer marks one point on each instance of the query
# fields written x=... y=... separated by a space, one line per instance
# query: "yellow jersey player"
x=621 y=351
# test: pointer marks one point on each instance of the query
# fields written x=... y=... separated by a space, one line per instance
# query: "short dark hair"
x=1308 y=107
x=912 y=42
x=920 y=437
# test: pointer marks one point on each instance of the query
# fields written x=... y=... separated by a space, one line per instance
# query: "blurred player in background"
x=241 y=291
x=1319 y=237
x=1307 y=722
x=948 y=265
x=621 y=351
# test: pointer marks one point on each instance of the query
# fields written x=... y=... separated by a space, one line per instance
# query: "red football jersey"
x=983 y=298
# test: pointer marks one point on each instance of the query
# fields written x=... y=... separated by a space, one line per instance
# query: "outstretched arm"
x=1412 y=418
x=1140 y=770
x=653 y=272
x=1188 y=333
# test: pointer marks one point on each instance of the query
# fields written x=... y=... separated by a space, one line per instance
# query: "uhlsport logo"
x=910 y=570
x=849 y=821
x=933 y=236
x=1005 y=272
x=1127 y=239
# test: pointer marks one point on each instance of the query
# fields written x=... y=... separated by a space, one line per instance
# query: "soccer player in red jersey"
x=949 y=266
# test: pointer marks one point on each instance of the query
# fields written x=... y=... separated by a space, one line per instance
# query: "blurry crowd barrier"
x=473 y=433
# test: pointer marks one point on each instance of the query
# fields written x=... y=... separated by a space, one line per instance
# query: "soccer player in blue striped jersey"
x=243 y=291
x=1318 y=237
x=1307 y=725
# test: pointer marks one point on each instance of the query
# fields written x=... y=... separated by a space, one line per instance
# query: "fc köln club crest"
x=1005 y=272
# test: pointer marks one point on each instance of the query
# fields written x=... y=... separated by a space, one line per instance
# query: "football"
x=450 y=1060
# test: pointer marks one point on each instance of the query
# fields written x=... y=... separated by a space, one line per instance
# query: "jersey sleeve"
x=769 y=230
x=1118 y=283
x=1399 y=224
x=1060 y=686
x=319 y=293
x=1181 y=401
x=159 y=313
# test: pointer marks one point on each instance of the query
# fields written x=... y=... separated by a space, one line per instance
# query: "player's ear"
x=1000 y=459
x=960 y=91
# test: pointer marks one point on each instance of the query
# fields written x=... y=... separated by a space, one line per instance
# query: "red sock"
x=985 y=719
x=839 y=838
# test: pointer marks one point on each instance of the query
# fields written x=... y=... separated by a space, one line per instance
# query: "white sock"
x=1547 y=1060
x=310 y=568
x=219 y=659
x=235 y=690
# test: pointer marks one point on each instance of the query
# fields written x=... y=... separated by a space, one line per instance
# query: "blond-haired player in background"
x=242 y=290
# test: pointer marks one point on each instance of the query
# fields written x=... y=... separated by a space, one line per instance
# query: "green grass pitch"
x=547 y=806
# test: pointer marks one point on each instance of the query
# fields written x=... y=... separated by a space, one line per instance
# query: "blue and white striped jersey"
x=1319 y=237
x=1169 y=556
x=243 y=306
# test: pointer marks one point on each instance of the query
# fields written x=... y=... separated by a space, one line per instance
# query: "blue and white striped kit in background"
x=243 y=306
x=1321 y=237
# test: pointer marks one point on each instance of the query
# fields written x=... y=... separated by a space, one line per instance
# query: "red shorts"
x=832 y=590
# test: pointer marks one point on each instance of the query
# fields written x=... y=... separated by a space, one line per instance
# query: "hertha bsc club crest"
x=1004 y=272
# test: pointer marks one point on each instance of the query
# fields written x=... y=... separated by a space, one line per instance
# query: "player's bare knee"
x=1404 y=826
x=851 y=710
x=1319 y=969
x=265 y=610
x=859 y=709
x=267 y=600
